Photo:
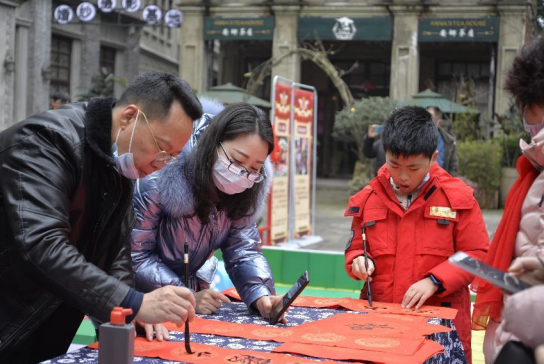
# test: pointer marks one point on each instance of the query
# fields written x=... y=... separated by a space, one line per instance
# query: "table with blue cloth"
x=237 y=312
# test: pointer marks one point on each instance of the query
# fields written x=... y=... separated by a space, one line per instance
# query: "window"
x=369 y=78
x=449 y=73
x=107 y=59
x=61 y=58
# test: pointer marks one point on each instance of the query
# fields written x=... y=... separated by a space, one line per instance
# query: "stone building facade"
x=40 y=56
x=402 y=47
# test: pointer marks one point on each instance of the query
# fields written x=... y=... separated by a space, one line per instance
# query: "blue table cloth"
x=237 y=312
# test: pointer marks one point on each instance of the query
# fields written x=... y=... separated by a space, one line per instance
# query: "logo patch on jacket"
x=440 y=211
x=353 y=209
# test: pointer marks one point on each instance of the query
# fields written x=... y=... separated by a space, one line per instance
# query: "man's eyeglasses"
x=162 y=156
x=240 y=170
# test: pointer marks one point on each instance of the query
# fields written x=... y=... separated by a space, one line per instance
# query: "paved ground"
x=334 y=228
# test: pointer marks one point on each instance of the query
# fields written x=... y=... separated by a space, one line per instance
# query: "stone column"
x=193 y=64
x=39 y=55
x=404 y=52
x=285 y=41
x=7 y=62
x=88 y=56
x=512 y=32
x=21 y=72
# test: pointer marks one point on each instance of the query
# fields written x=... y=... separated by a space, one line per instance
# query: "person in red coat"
x=415 y=215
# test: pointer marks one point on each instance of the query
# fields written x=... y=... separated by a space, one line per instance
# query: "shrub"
x=351 y=123
x=480 y=161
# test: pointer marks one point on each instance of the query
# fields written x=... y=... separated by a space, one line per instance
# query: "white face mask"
x=532 y=129
x=125 y=162
x=227 y=181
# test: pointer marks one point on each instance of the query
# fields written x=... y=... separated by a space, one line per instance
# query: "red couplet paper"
x=395 y=308
x=426 y=351
x=209 y=354
x=373 y=325
x=363 y=306
x=397 y=334
x=233 y=329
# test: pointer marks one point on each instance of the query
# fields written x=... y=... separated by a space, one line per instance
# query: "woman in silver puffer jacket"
x=211 y=198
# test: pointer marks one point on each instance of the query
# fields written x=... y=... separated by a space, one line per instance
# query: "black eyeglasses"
x=240 y=170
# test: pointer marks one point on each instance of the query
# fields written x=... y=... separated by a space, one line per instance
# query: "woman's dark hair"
x=525 y=79
x=234 y=121
x=410 y=131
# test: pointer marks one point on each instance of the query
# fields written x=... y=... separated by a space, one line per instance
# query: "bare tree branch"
x=314 y=52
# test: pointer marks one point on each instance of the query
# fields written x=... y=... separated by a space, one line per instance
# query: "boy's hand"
x=358 y=268
x=418 y=293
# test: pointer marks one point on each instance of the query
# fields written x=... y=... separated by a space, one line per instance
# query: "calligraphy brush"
x=186 y=261
x=366 y=269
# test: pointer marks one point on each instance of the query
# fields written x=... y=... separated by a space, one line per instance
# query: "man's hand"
x=528 y=269
x=208 y=301
x=372 y=131
x=265 y=304
x=169 y=303
x=418 y=293
x=161 y=333
x=358 y=268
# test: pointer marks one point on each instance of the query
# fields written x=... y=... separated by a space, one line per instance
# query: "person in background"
x=58 y=99
x=520 y=231
x=373 y=147
x=447 y=149
x=211 y=200
x=415 y=215
x=66 y=214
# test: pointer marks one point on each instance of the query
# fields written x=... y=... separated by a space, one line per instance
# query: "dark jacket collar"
x=98 y=122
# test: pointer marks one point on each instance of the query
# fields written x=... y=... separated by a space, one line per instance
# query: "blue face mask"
x=125 y=162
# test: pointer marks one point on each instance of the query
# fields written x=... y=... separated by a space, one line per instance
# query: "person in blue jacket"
x=211 y=198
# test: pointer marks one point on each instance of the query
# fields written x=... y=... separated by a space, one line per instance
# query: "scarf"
x=489 y=299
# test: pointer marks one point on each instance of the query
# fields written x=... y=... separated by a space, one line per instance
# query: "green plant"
x=351 y=123
x=511 y=126
x=480 y=162
x=465 y=127
x=360 y=177
x=102 y=85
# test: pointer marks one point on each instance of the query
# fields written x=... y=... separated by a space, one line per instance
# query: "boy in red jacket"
x=415 y=215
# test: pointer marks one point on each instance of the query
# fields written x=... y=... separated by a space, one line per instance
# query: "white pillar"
x=512 y=33
x=193 y=65
x=285 y=41
x=21 y=73
x=405 y=53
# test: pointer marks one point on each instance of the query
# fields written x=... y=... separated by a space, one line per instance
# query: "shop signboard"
x=261 y=28
x=459 y=30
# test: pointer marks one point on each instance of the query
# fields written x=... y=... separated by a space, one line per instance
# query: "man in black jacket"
x=66 y=214
x=373 y=148
x=447 y=149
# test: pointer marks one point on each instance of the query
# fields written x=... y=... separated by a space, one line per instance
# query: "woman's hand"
x=160 y=332
x=209 y=301
x=528 y=269
x=264 y=306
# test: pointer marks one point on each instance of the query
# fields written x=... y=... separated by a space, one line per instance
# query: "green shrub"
x=360 y=177
x=480 y=161
x=352 y=122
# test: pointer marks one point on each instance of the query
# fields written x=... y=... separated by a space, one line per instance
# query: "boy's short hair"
x=525 y=79
x=410 y=131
